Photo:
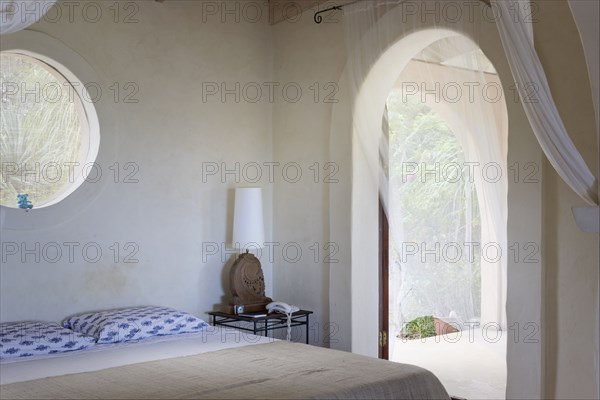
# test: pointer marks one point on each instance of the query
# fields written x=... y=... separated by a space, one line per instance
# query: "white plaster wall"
x=307 y=55
x=587 y=15
x=571 y=255
x=169 y=134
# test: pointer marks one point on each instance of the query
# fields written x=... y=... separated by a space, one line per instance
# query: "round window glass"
x=44 y=131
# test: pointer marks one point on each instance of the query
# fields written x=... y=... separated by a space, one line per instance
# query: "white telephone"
x=288 y=310
x=281 y=307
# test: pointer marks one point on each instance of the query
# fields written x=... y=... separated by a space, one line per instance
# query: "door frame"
x=384 y=316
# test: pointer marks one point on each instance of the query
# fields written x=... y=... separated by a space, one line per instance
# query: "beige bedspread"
x=267 y=371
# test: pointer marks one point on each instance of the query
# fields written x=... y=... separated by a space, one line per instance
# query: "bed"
x=216 y=363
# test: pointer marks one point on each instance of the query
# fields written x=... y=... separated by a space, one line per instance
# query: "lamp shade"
x=248 y=224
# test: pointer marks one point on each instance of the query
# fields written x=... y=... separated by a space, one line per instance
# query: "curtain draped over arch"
x=545 y=119
x=449 y=61
x=539 y=105
x=16 y=15
x=478 y=120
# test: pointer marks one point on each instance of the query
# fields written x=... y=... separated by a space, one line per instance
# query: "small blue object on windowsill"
x=23 y=202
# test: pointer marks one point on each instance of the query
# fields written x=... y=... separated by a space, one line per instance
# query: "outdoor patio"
x=470 y=364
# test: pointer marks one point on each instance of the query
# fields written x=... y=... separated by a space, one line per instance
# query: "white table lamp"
x=248 y=223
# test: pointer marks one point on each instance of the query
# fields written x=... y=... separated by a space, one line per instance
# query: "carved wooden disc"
x=247 y=281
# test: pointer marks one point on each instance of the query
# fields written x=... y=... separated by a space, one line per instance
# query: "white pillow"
x=30 y=338
x=134 y=323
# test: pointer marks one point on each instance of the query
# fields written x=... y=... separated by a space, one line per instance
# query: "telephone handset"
x=288 y=310
x=281 y=307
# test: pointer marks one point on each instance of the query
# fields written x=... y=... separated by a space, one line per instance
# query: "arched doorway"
x=354 y=300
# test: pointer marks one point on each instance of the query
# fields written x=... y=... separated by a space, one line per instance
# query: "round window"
x=46 y=142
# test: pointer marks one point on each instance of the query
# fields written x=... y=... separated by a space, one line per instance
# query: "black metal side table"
x=262 y=324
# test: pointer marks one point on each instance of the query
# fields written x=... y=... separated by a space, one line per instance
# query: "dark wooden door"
x=383 y=284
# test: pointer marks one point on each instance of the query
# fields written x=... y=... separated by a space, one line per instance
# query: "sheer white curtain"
x=472 y=105
x=446 y=63
x=541 y=109
x=16 y=15
x=38 y=133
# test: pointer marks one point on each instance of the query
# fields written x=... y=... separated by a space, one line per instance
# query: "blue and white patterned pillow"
x=30 y=338
x=127 y=324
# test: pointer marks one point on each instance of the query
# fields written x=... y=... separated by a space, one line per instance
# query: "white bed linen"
x=114 y=355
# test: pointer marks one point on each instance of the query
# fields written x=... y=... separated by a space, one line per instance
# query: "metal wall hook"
x=318 y=18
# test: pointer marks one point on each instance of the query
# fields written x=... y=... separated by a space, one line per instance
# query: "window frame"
x=81 y=200
x=52 y=55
